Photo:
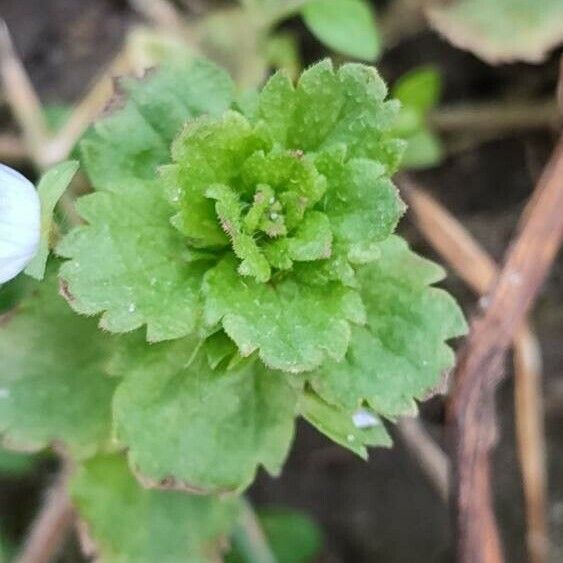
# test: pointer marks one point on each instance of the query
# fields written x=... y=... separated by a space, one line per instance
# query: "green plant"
x=243 y=258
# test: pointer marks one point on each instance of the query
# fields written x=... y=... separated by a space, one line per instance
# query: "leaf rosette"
x=254 y=240
x=258 y=224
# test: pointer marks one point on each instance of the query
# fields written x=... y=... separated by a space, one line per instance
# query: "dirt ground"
x=384 y=510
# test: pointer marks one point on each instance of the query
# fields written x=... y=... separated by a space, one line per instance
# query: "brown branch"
x=480 y=365
x=432 y=460
x=21 y=96
x=531 y=442
x=60 y=146
x=51 y=526
x=496 y=117
x=454 y=243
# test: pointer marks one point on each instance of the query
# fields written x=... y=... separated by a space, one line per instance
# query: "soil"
x=384 y=510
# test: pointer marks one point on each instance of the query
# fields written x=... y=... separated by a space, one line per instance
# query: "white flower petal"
x=20 y=222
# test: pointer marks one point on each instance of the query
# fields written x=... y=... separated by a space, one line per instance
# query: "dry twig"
x=453 y=242
x=59 y=147
x=480 y=365
x=428 y=453
x=496 y=117
x=21 y=96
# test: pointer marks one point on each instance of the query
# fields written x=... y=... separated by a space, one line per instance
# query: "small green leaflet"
x=51 y=187
x=419 y=91
x=188 y=426
x=53 y=386
x=347 y=26
x=130 y=524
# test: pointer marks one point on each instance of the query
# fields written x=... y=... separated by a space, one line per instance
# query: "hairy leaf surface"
x=128 y=262
x=401 y=353
x=188 y=426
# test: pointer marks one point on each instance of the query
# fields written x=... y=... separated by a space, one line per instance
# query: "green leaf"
x=129 y=524
x=312 y=239
x=53 y=386
x=215 y=427
x=282 y=51
x=293 y=326
x=13 y=463
x=338 y=425
x=424 y=149
x=419 y=89
x=502 y=31
x=12 y=292
x=292 y=536
x=327 y=109
x=362 y=203
x=129 y=263
x=347 y=26
x=400 y=354
x=51 y=187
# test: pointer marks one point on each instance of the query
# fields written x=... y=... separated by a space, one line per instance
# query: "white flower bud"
x=20 y=223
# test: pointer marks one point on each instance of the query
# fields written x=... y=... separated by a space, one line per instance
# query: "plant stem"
x=496 y=116
x=52 y=524
x=249 y=537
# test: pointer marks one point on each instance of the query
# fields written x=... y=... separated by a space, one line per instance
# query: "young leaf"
x=424 y=150
x=419 y=89
x=294 y=326
x=129 y=524
x=188 y=426
x=51 y=187
x=347 y=26
x=53 y=386
x=401 y=352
